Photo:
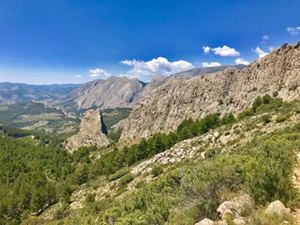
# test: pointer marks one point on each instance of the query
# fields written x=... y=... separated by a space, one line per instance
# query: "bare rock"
x=177 y=99
x=240 y=221
x=277 y=208
x=92 y=132
x=234 y=207
x=205 y=222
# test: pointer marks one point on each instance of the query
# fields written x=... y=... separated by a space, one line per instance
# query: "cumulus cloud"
x=241 y=61
x=225 y=51
x=293 y=30
x=265 y=38
x=206 y=50
x=157 y=66
x=260 y=52
x=99 y=73
x=212 y=64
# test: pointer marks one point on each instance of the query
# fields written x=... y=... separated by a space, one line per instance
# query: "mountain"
x=12 y=93
x=203 y=70
x=227 y=91
x=120 y=92
x=111 y=93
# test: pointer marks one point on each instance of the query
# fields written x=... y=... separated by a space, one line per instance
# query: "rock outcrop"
x=201 y=71
x=92 y=132
x=228 y=91
x=277 y=208
x=205 y=222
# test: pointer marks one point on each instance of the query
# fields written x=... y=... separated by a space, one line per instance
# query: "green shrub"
x=90 y=198
x=275 y=94
x=257 y=102
x=126 y=179
x=266 y=99
x=120 y=173
x=156 y=170
x=220 y=101
x=140 y=184
x=281 y=118
x=266 y=118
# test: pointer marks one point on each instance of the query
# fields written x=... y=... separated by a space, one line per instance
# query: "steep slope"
x=226 y=91
x=203 y=70
x=12 y=93
x=111 y=93
x=92 y=132
x=154 y=83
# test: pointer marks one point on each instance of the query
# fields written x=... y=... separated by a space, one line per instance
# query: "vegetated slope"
x=253 y=154
x=36 y=116
x=230 y=90
x=12 y=93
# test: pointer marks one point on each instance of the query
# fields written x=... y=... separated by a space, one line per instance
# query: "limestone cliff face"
x=178 y=99
x=92 y=132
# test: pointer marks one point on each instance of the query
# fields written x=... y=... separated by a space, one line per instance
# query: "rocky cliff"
x=227 y=91
x=92 y=132
x=201 y=71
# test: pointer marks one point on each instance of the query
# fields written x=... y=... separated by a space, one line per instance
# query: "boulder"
x=234 y=207
x=205 y=222
x=277 y=208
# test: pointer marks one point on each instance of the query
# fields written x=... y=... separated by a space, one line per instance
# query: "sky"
x=75 y=41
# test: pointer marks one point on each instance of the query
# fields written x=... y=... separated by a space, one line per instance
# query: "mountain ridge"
x=226 y=91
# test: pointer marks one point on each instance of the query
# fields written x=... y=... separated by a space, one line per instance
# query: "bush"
x=275 y=94
x=126 y=179
x=156 y=170
x=266 y=118
x=220 y=101
x=281 y=118
x=266 y=99
x=120 y=173
x=90 y=198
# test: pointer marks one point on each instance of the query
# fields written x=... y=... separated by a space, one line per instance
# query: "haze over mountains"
x=12 y=93
x=111 y=93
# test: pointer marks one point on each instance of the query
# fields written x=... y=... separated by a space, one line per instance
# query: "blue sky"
x=74 y=41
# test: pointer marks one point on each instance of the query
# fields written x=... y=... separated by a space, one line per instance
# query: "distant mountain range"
x=14 y=93
x=115 y=92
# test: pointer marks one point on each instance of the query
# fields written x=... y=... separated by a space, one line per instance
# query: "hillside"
x=201 y=71
x=36 y=116
x=111 y=93
x=183 y=181
x=227 y=91
x=13 y=93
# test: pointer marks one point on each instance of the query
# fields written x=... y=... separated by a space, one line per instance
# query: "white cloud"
x=212 y=64
x=157 y=66
x=78 y=76
x=293 y=30
x=260 y=52
x=206 y=50
x=225 y=51
x=265 y=38
x=241 y=61
x=99 y=73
